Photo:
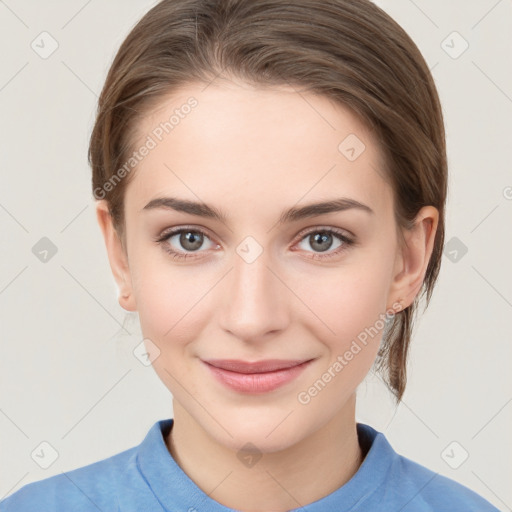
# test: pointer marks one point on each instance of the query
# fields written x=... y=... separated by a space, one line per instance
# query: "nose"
x=255 y=303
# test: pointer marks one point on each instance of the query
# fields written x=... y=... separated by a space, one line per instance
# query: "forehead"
x=254 y=147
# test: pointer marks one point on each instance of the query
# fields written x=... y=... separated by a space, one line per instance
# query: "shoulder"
x=431 y=491
x=89 y=488
x=415 y=487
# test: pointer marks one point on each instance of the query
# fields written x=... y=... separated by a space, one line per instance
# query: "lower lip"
x=257 y=382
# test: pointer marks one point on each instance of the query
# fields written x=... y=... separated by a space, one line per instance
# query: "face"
x=260 y=275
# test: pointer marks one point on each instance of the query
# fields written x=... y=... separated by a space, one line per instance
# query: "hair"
x=350 y=51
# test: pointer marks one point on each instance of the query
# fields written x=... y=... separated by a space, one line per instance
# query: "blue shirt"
x=146 y=478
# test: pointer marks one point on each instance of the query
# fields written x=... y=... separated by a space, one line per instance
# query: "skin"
x=252 y=153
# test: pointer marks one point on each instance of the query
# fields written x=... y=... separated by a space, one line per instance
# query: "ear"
x=117 y=257
x=413 y=258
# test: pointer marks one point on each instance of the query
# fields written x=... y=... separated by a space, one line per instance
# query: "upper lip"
x=268 y=365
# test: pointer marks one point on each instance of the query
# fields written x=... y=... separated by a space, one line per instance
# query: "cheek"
x=351 y=303
x=172 y=301
x=171 y=306
x=343 y=302
x=352 y=322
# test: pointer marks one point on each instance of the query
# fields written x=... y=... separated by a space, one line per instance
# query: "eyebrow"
x=290 y=215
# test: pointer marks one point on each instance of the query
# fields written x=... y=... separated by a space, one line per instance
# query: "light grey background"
x=67 y=372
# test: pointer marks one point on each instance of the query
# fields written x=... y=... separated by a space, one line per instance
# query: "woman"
x=270 y=179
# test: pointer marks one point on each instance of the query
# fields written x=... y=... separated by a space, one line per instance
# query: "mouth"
x=256 y=377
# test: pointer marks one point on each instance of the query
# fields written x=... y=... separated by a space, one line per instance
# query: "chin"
x=267 y=432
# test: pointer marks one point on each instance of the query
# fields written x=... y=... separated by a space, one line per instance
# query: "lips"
x=255 y=377
x=269 y=365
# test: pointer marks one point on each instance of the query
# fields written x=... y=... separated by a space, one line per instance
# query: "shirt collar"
x=177 y=492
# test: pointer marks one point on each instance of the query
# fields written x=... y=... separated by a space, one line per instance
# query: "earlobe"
x=415 y=255
x=117 y=257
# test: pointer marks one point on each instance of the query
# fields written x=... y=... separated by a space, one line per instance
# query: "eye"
x=322 y=240
x=182 y=241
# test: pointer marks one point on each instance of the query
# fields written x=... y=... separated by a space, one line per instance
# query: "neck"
x=279 y=481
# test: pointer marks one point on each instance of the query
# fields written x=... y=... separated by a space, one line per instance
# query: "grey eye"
x=189 y=240
x=320 y=241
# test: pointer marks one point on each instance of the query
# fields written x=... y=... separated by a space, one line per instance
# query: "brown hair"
x=348 y=50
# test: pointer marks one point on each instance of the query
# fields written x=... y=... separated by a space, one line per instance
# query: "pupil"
x=319 y=238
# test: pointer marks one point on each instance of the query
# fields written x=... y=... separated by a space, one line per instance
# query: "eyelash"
x=166 y=235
